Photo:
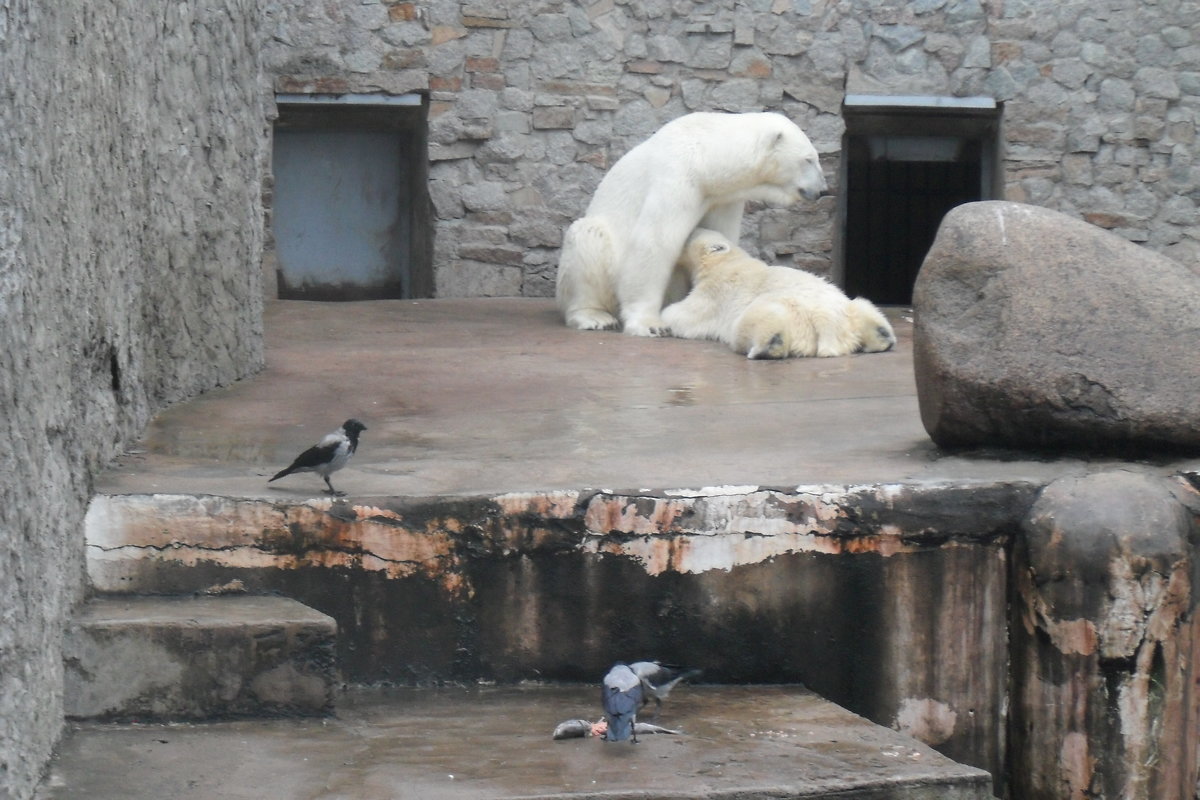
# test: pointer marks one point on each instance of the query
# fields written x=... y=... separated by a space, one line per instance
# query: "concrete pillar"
x=1105 y=644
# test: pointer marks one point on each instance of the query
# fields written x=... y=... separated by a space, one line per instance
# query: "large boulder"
x=1037 y=330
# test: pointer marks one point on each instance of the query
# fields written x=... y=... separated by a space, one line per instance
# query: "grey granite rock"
x=1037 y=330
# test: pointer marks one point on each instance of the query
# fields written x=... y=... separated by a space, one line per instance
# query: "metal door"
x=894 y=207
x=340 y=228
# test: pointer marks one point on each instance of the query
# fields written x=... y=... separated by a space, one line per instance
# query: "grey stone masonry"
x=132 y=140
x=532 y=101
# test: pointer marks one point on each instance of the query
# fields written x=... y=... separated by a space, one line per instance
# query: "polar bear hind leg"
x=834 y=334
x=765 y=330
x=870 y=326
x=584 y=286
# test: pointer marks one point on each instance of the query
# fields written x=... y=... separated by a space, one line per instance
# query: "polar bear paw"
x=593 y=319
x=650 y=329
x=772 y=348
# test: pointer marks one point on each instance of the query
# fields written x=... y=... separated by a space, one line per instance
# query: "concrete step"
x=746 y=742
x=192 y=658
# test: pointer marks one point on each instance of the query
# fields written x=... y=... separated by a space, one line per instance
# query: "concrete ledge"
x=198 y=658
x=749 y=742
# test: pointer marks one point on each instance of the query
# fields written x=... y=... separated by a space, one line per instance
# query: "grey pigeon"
x=327 y=456
x=658 y=680
x=621 y=696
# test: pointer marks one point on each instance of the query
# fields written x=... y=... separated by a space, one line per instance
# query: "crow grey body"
x=658 y=681
x=327 y=456
x=621 y=696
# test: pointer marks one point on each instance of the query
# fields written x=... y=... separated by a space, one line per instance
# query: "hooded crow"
x=658 y=680
x=330 y=455
x=621 y=697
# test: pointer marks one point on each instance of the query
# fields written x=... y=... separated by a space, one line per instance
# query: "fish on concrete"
x=582 y=728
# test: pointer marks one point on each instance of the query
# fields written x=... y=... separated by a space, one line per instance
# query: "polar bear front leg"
x=646 y=269
x=726 y=220
x=582 y=288
x=694 y=317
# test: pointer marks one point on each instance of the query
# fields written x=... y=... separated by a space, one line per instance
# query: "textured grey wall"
x=532 y=101
x=131 y=148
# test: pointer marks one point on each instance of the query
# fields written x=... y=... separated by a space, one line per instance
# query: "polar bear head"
x=791 y=168
x=703 y=249
x=872 y=328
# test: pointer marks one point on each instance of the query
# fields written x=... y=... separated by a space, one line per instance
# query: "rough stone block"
x=196 y=658
x=1105 y=693
x=1037 y=330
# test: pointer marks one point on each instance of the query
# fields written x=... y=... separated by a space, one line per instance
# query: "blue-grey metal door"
x=340 y=225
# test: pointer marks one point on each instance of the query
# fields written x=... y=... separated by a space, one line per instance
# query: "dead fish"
x=581 y=728
x=573 y=729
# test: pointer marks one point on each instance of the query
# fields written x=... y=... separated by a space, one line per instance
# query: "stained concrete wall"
x=531 y=102
x=868 y=595
x=131 y=145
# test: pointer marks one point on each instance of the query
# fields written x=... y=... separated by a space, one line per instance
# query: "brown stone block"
x=402 y=12
x=1106 y=219
x=291 y=84
x=445 y=83
x=644 y=67
x=488 y=80
x=482 y=65
x=485 y=22
x=445 y=33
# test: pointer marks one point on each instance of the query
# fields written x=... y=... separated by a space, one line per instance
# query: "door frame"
x=973 y=120
x=406 y=115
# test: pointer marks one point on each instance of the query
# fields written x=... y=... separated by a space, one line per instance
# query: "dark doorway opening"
x=351 y=215
x=907 y=162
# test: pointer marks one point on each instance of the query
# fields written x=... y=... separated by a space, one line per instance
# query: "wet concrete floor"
x=486 y=396
x=747 y=742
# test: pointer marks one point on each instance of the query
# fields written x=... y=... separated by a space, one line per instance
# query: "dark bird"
x=658 y=680
x=621 y=696
x=328 y=456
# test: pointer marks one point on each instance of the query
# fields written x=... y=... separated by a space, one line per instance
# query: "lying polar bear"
x=618 y=260
x=769 y=312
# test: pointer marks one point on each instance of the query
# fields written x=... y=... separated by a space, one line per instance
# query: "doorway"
x=907 y=161
x=351 y=215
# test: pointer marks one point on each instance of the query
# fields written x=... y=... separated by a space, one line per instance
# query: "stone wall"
x=131 y=150
x=532 y=101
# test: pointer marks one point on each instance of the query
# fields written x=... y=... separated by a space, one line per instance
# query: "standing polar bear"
x=769 y=312
x=619 y=259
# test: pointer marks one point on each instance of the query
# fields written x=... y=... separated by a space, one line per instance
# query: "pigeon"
x=330 y=455
x=621 y=697
x=658 y=681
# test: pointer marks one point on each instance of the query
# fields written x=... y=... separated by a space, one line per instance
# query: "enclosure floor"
x=496 y=743
x=488 y=396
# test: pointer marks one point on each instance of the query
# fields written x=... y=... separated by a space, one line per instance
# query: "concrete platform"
x=743 y=742
x=487 y=396
x=198 y=658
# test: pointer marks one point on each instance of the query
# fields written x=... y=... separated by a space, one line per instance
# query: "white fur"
x=617 y=266
x=769 y=312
